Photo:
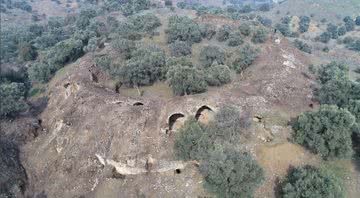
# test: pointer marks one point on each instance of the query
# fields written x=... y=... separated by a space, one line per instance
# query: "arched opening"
x=173 y=118
x=204 y=113
x=177 y=171
x=138 y=104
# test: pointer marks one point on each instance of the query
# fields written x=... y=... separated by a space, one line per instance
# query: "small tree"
x=124 y=46
x=207 y=31
x=302 y=46
x=217 y=75
x=145 y=66
x=183 y=29
x=192 y=142
x=260 y=36
x=12 y=98
x=245 y=29
x=304 y=24
x=333 y=30
x=325 y=37
x=186 y=80
x=349 y=23
x=326 y=132
x=309 y=181
x=242 y=58
x=342 y=31
x=40 y=72
x=180 y=48
x=235 y=39
x=210 y=55
x=229 y=173
x=223 y=33
x=357 y=21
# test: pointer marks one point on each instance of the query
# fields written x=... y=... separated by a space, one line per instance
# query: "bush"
x=229 y=173
x=342 y=31
x=304 y=24
x=123 y=46
x=64 y=52
x=260 y=36
x=145 y=23
x=192 y=142
x=265 y=21
x=207 y=31
x=336 y=87
x=168 y=3
x=185 y=80
x=84 y=18
x=326 y=132
x=12 y=99
x=333 y=30
x=235 y=39
x=92 y=45
x=325 y=37
x=302 y=46
x=355 y=45
x=210 y=55
x=183 y=29
x=349 y=24
x=354 y=107
x=223 y=33
x=357 y=21
x=230 y=124
x=245 y=29
x=40 y=72
x=309 y=181
x=242 y=58
x=103 y=62
x=265 y=7
x=180 y=48
x=144 y=67
x=283 y=28
x=217 y=75
x=27 y=52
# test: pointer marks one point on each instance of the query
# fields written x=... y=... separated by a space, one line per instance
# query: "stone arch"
x=201 y=110
x=138 y=104
x=173 y=118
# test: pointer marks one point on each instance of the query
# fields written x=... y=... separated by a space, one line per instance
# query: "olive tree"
x=326 y=132
x=229 y=173
x=12 y=98
x=180 y=48
x=217 y=75
x=183 y=29
x=311 y=182
x=124 y=46
x=210 y=55
x=223 y=33
x=260 y=36
x=242 y=58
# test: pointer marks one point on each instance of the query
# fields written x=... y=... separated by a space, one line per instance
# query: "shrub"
x=64 y=52
x=245 y=29
x=357 y=20
x=355 y=45
x=223 y=33
x=265 y=21
x=260 y=36
x=123 y=46
x=217 y=75
x=168 y=3
x=103 y=62
x=325 y=37
x=302 y=46
x=92 y=45
x=326 y=132
x=333 y=30
x=354 y=107
x=336 y=87
x=283 y=28
x=192 y=142
x=183 y=29
x=349 y=23
x=146 y=23
x=304 y=24
x=265 y=7
x=144 y=67
x=84 y=18
x=309 y=181
x=230 y=124
x=40 y=72
x=12 y=99
x=210 y=55
x=342 y=31
x=185 y=80
x=27 y=52
x=229 y=173
x=207 y=31
x=180 y=48
x=242 y=58
x=235 y=39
